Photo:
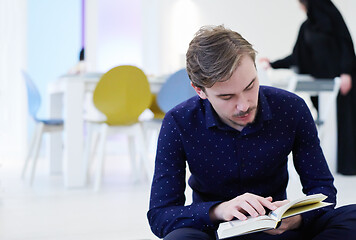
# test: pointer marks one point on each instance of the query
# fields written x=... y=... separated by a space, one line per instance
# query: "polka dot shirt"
x=225 y=163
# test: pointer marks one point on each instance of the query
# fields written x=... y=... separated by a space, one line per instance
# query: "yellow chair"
x=122 y=94
x=155 y=109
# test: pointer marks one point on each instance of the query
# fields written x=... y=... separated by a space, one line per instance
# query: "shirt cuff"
x=206 y=221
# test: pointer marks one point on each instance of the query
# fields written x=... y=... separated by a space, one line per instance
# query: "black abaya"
x=324 y=49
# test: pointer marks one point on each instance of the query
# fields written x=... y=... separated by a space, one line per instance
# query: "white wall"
x=113 y=34
x=271 y=26
x=12 y=59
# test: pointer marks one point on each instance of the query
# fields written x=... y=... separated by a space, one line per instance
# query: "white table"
x=66 y=98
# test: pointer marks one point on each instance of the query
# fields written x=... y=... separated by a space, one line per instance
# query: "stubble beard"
x=240 y=114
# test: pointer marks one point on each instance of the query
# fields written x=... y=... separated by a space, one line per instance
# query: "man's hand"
x=265 y=63
x=345 y=83
x=287 y=223
x=239 y=207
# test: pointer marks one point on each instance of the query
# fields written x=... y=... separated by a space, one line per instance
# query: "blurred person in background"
x=324 y=49
x=80 y=67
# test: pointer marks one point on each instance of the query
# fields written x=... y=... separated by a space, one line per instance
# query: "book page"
x=305 y=208
x=308 y=201
x=239 y=227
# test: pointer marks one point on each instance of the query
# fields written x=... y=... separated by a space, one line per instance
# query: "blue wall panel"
x=54 y=41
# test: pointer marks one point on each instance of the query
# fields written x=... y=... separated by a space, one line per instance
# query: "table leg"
x=73 y=166
x=55 y=146
x=328 y=131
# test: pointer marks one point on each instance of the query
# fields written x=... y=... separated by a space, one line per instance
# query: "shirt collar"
x=263 y=114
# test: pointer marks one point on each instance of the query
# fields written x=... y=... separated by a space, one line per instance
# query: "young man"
x=235 y=138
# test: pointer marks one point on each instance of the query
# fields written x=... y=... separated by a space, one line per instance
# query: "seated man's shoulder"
x=280 y=95
x=187 y=107
x=187 y=110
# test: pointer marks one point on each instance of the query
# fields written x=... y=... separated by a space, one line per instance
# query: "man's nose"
x=242 y=104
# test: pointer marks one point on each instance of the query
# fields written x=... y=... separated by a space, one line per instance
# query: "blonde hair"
x=214 y=54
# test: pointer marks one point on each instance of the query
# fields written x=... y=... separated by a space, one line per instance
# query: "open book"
x=270 y=221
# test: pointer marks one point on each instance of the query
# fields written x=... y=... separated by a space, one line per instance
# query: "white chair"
x=42 y=126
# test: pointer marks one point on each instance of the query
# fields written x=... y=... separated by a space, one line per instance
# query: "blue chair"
x=175 y=90
x=42 y=125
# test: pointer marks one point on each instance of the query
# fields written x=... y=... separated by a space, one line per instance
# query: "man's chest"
x=230 y=154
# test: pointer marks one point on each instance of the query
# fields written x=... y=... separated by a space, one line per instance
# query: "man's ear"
x=199 y=91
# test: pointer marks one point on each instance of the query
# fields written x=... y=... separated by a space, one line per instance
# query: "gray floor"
x=48 y=211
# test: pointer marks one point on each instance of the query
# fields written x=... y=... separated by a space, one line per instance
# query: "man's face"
x=235 y=100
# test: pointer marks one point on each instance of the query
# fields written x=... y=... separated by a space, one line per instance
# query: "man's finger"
x=237 y=214
x=281 y=203
x=266 y=203
x=258 y=206
x=249 y=209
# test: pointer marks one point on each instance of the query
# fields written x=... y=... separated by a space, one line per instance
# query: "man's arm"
x=310 y=163
x=287 y=224
x=291 y=60
x=167 y=202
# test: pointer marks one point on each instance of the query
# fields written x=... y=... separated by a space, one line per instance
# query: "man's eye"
x=250 y=87
x=226 y=97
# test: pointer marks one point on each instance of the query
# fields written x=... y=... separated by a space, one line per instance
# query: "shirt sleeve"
x=310 y=162
x=290 y=60
x=286 y=62
x=167 y=211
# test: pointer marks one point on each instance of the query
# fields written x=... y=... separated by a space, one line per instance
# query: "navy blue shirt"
x=225 y=163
